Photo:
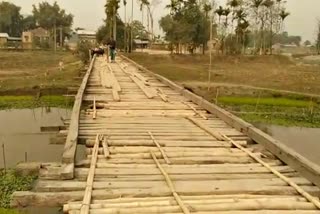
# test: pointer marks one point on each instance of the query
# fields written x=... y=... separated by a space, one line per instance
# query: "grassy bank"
x=10 y=182
x=30 y=71
x=270 y=110
x=272 y=72
x=20 y=102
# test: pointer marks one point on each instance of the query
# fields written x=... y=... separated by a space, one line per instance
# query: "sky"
x=89 y=14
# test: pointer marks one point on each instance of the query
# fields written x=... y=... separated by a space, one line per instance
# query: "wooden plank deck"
x=153 y=147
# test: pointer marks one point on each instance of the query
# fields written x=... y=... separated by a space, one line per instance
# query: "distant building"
x=140 y=43
x=35 y=37
x=72 y=42
x=87 y=35
x=3 y=39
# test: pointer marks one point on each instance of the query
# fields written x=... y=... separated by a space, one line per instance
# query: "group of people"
x=109 y=48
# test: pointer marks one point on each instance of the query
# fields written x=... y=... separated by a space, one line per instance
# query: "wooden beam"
x=70 y=147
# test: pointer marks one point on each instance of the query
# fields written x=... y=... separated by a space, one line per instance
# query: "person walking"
x=112 y=46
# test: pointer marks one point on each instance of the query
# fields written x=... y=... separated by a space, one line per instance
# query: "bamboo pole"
x=171 y=186
x=106 y=151
x=164 y=155
x=203 y=127
x=162 y=95
x=277 y=173
x=195 y=111
x=94 y=115
x=4 y=159
x=85 y=206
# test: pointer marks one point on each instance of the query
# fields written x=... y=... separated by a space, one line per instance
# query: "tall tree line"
x=237 y=24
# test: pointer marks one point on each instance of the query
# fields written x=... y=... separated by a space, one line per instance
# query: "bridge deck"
x=151 y=150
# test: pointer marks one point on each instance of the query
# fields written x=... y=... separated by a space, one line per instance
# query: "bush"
x=83 y=50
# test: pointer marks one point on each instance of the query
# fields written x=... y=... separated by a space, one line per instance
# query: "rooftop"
x=4 y=35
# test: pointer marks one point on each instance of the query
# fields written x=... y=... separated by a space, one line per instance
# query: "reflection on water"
x=20 y=133
x=303 y=140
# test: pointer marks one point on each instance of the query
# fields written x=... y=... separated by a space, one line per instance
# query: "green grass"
x=8 y=211
x=279 y=111
x=37 y=70
x=265 y=101
x=20 y=102
x=11 y=182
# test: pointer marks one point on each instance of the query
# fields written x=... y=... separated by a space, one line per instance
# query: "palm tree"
x=256 y=4
x=206 y=8
x=173 y=6
x=269 y=5
x=233 y=4
x=283 y=15
x=220 y=12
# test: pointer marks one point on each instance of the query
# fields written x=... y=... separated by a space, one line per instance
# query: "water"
x=20 y=133
x=305 y=141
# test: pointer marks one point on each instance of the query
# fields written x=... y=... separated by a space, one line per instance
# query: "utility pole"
x=210 y=50
x=131 y=39
x=114 y=23
x=55 y=37
x=125 y=26
x=61 y=35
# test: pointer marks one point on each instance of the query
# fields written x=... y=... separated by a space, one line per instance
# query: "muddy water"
x=305 y=141
x=21 y=136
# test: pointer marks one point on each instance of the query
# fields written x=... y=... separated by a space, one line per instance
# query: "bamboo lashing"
x=274 y=171
x=164 y=155
x=170 y=185
x=85 y=206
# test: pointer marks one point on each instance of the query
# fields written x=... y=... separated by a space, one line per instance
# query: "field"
x=31 y=71
x=268 y=89
x=268 y=72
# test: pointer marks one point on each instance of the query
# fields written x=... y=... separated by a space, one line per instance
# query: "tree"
x=111 y=9
x=103 y=33
x=29 y=23
x=10 y=19
x=307 y=43
x=186 y=25
x=52 y=16
x=138 y=30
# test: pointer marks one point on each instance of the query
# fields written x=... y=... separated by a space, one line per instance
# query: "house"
x=87 y=35
x=35 y=38
x=3 y=39
x=140 y=43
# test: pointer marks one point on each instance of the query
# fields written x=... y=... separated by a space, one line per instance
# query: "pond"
x=305 y=141
x=21 y=136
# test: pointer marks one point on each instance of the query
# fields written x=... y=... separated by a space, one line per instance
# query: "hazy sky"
x=90 y=13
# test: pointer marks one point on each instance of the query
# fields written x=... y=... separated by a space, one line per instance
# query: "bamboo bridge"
x=154 y=147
